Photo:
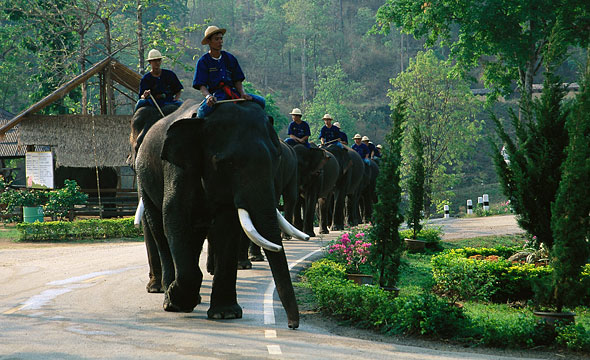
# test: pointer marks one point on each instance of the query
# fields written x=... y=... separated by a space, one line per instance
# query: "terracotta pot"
x=361 y=279
x=415 y=244
x=551 y=318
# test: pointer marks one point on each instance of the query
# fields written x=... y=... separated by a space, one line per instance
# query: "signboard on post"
x=39 y=169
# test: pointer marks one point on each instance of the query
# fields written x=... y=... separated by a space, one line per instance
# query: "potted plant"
x=387 y=217
x=416 y=192
x=353 y=250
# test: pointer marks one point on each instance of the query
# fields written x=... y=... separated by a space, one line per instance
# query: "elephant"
x=214 y=178
x=368 y=196
x=143 y=119
x=286 y=186
x=318 y=173
x=347 y=189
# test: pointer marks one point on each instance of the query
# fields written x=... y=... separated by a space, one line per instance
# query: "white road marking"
x=270 y=334
x=269 y=313
x=78 y=282
x=274 y=349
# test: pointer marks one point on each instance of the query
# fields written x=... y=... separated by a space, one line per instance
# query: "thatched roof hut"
x=78 y=140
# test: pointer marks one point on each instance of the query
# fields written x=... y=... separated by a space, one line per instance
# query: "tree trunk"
x=140 y=48
x=82 y=62
x=110 y=95
x=303 y=85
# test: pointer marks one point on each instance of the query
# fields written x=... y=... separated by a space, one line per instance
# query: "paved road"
x=89 y=302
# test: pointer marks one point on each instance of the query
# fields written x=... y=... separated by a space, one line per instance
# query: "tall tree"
x=336 y=95
x=508 y=38
x=444 y=109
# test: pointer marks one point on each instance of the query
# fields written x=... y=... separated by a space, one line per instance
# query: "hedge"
x=428 y=315
x=495 y=279
x=78 y=230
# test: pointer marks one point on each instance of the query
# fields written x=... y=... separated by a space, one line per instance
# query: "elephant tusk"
x=253 y=234
x=290 y=229
x=138 y=213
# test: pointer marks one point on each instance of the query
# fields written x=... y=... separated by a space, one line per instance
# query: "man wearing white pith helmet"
x=218 y=75
x=370 y=146
x=298 y=131
x=159 y=84
x=343 y=137
x=361 y=148
x=329 y=133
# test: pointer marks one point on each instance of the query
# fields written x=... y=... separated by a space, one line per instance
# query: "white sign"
x=39 y=169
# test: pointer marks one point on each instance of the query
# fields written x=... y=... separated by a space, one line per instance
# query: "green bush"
x=430 y=234
x=428 y=315
x=61 y=201
x=370 y=306
x=499 y=280
x=77 y=230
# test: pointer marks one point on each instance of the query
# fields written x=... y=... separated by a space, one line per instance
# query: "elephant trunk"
x=267 y=224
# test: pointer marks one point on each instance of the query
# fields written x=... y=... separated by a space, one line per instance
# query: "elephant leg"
x=243 y=262
x=153 y=217
x=323 y=205
x=297 y=219
x=155 y=283
x=224 y=232
x=338 y=215
x=282 y=279
x=255 y=253
x=309 y=215
x=186 y=232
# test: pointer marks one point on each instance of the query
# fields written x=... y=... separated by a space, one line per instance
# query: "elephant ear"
x=180 y=144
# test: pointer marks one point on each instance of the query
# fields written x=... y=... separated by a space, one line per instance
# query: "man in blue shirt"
x=329 y=132
x=163 y=85
x=298 y=131
x=343 y=137
x=218 y=75
x=370 y=146
x=361 y=148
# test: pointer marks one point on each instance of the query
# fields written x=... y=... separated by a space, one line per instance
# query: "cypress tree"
x=531 y=178
x=387 y=215
x=570 y=221
x=416 y=183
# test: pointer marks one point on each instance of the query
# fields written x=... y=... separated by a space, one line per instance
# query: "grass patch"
x=486 y=241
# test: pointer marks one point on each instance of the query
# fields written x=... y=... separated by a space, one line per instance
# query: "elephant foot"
x=337 y=227
x=244 y=264
x=324 y=231
x=256 y=257
x=293 y=324
x=311 y=233
x=178 y=300
x=225 y=312
x=154 y=286
x=286 y=236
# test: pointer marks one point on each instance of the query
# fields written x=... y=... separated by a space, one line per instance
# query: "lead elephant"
x=213 y=177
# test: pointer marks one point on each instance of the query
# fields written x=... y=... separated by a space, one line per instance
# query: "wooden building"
x=80 y=144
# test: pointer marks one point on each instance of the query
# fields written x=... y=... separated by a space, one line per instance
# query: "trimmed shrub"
x=77 y=230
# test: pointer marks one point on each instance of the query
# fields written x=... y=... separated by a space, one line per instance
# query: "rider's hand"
x=211 y=100
x=146 y=94
x=247 y=97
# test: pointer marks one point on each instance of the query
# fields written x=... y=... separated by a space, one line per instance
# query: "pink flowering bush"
x=351 y=249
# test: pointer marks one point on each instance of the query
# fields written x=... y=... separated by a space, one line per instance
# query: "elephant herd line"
x=221 y=179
